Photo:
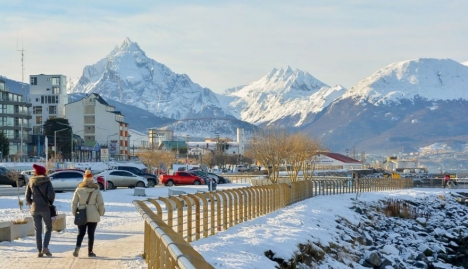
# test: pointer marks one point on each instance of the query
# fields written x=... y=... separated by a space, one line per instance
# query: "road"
x=6 y=190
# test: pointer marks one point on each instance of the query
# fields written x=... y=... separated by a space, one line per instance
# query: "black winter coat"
x=34 y=198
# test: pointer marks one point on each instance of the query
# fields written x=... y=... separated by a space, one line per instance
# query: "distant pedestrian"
x=88 y=196
x=446 y=180
x=39 y=194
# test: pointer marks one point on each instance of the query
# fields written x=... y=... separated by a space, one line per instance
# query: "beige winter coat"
x=95 y=208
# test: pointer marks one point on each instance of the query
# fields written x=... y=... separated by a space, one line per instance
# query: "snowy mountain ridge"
x=432 y=79
x=297 y=93
x=127 y=75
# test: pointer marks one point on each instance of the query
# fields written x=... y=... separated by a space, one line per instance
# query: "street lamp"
x=134 y=144
x=108 y=148
x=55 y=144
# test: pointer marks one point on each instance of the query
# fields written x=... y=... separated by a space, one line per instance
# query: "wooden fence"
x=171 y=223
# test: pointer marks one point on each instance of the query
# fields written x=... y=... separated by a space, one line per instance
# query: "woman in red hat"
x=38 y=190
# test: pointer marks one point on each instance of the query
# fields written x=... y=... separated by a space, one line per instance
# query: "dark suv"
x=152 y=179
x=6 y=177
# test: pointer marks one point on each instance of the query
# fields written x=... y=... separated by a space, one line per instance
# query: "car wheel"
x=110 y=185
x=169 y=183
x=101 y=187
x=151 y=183
x=196 y=182
x=140 y=184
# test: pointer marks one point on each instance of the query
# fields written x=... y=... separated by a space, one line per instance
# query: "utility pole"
x=22 y=92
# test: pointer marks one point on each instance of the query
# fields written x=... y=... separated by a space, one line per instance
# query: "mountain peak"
x=129 y=45
x=432 y=79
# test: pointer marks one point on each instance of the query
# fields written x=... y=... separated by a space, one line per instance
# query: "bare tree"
x=15 y=176
x=301 y=150
x=270 y=148
x=160 y=159
x=274 y=148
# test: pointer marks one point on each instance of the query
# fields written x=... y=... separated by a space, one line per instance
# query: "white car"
x=122 y=178
x=28 y=174
x=66 y=180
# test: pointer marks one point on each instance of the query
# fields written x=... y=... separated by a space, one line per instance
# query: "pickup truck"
x=181 y=178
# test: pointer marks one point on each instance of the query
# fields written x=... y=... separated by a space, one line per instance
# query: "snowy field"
x=241 y=246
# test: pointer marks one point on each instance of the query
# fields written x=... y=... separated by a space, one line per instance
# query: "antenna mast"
x=22 y=91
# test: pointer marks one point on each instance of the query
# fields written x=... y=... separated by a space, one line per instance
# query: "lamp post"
x=134 y=144
x=108 y=148
x=55 y=144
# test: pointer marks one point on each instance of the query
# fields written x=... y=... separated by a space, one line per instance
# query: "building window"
x=55 y=81
x=33 y=80
x=88 y=119
x=38 y=119
x=49 y=99
x=52 y=109
x=37 y=130
x=37 y=109
x=55 y=90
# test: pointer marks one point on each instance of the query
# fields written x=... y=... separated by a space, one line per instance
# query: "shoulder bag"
x=80 y=215
x=52 y=208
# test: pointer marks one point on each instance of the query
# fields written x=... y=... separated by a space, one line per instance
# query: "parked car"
x=66 y=180
x=28 y=174
x=201 y=174
x=181 y=178
x=99 y=181
x=7 y=179
x=122 y=178
x=152 y=179
x=219 y=179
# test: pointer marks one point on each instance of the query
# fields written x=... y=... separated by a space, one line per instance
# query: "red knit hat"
x=39 y=170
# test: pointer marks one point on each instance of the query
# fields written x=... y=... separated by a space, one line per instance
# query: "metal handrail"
x=172 y=225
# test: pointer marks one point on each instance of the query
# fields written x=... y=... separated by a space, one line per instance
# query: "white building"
x=48 y=97
x=98 y=123
x=335 y=161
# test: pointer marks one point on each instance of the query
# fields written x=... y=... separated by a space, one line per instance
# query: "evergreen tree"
x=4 y=145
x=63 y=137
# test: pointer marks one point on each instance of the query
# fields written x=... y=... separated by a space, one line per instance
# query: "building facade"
x=14 y=121
x=103 y=129
x=48 y=96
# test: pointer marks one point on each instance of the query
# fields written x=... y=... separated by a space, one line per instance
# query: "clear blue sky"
x=222 y=44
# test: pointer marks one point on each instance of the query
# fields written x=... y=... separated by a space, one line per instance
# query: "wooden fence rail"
x=171 y=223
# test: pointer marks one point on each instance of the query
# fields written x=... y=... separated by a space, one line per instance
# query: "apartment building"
x=101 y=127
x=48 y=96
x=14 y=121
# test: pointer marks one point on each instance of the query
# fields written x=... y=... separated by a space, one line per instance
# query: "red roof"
x=340 y=157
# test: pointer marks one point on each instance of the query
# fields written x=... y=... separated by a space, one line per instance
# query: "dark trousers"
x=38 y=217
x=91 y=226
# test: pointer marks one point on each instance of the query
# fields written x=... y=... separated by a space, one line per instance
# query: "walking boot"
x=75 y=253
x=46 y=251
x=91 y=254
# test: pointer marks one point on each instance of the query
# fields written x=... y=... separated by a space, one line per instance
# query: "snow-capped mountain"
x=283 y=97
x=432 y=79
x=407 y=104
x=127 y=75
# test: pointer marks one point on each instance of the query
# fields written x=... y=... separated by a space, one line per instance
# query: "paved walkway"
x=120 y=247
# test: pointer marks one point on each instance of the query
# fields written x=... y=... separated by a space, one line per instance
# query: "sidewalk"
x=119 y=247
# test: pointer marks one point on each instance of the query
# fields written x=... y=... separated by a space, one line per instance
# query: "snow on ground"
x=241 y=246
